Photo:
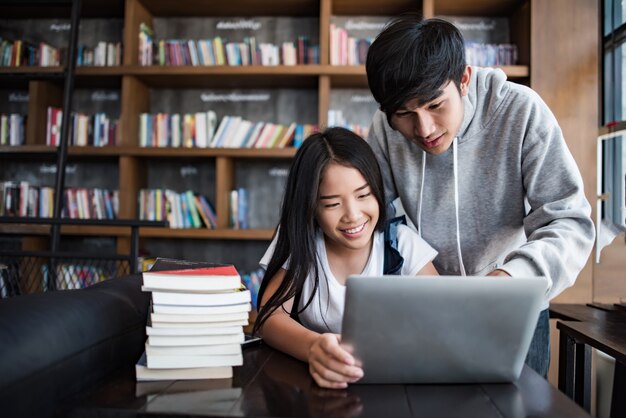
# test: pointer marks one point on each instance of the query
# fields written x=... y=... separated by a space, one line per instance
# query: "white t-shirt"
x=325 y=312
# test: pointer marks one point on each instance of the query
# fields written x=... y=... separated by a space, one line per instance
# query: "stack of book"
x=196 y=323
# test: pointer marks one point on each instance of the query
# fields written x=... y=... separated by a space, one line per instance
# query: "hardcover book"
x=144 y=373
x=200 y=279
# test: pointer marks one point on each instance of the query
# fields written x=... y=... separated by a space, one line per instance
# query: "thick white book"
x=199 y=279
x=201 y=299
x=185 y=362
x=201 y=310
x=189 y=340
x=180 y=318
x=210 y=330
x=144 y=374
x=193 y=350
x=221 y=324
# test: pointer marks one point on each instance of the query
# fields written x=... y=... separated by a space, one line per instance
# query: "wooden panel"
x=476 y=7
x=324 y=101
x=325 y=6
x=208 y=152
x=225 y=178
x=375 y=7
x=224 y=76
x=135 y=100
x=132 y=179
x=520 y=33
x=428 y=9
x=41 y=94
x=203 y=233
x=564 y=71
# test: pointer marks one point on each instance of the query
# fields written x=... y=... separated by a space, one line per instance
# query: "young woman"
x=331 y=226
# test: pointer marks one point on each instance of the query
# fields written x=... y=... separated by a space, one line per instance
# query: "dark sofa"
x=54 y=345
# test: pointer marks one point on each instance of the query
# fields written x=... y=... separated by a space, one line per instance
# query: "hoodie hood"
x=483 y=80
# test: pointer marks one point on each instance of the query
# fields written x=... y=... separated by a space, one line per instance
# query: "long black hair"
x=298 y=228
x=414 y=58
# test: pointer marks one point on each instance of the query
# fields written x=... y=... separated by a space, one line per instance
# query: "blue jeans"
x=538 y=357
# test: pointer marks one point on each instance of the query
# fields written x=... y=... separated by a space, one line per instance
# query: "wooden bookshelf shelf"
x=207 y=152
x=16 y=71
x=97 y=231
x=301 y=93
x=228 y=234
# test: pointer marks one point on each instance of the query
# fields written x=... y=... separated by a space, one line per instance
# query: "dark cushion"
x=55 y=344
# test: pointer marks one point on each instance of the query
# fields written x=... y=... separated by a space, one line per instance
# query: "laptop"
x=441 y=329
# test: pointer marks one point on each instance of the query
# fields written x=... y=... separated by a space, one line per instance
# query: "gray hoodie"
x=520 y=205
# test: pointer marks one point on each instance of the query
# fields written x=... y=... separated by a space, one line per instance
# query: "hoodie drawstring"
x=419 y=211
x=456 y=205
x=456 y=202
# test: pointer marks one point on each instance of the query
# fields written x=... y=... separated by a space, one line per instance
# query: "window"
x=612 y=145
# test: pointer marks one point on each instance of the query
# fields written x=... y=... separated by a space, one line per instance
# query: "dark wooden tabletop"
x=272 y=384
x=600 y=326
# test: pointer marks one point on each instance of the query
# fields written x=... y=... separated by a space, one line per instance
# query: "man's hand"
x=331 y=365
x=499 y=273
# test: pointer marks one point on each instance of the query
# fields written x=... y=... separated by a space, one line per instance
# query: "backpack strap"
x=393 y=261
x=294 y=309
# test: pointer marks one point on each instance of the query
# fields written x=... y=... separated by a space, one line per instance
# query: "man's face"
x=432 y=125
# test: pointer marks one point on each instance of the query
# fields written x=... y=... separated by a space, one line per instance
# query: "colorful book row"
x=218 y=51
x=175 y=130
x=96 y=130
x=181 y=210
x=12 y=129
x=484 y=55
x=105 y=54
x=21 y=53
x=22 y=199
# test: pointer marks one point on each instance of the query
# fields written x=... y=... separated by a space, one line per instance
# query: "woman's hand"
x=330 y=364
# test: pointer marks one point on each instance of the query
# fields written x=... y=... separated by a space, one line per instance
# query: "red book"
x=203 y=279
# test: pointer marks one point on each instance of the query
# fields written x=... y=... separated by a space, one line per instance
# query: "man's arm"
x=559 y=227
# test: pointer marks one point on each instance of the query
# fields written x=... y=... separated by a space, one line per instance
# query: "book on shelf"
x=217 y=50
x=104 y=54
x=12 y=129
x=487 y=39
x=144 y=373
x=21 y=53
x=351 y=36
x=182 y=210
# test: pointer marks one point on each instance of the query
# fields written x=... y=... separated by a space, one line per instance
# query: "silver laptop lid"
x=441 y=329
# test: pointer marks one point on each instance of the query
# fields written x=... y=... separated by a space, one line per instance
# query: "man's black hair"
x=414 y=58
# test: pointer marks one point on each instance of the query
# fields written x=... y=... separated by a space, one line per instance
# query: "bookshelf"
x=140 y=87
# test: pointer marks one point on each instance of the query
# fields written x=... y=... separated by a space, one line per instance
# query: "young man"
x=478 y=163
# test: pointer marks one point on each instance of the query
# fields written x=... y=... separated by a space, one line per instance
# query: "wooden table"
x=272 y=384
x=581 y=327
